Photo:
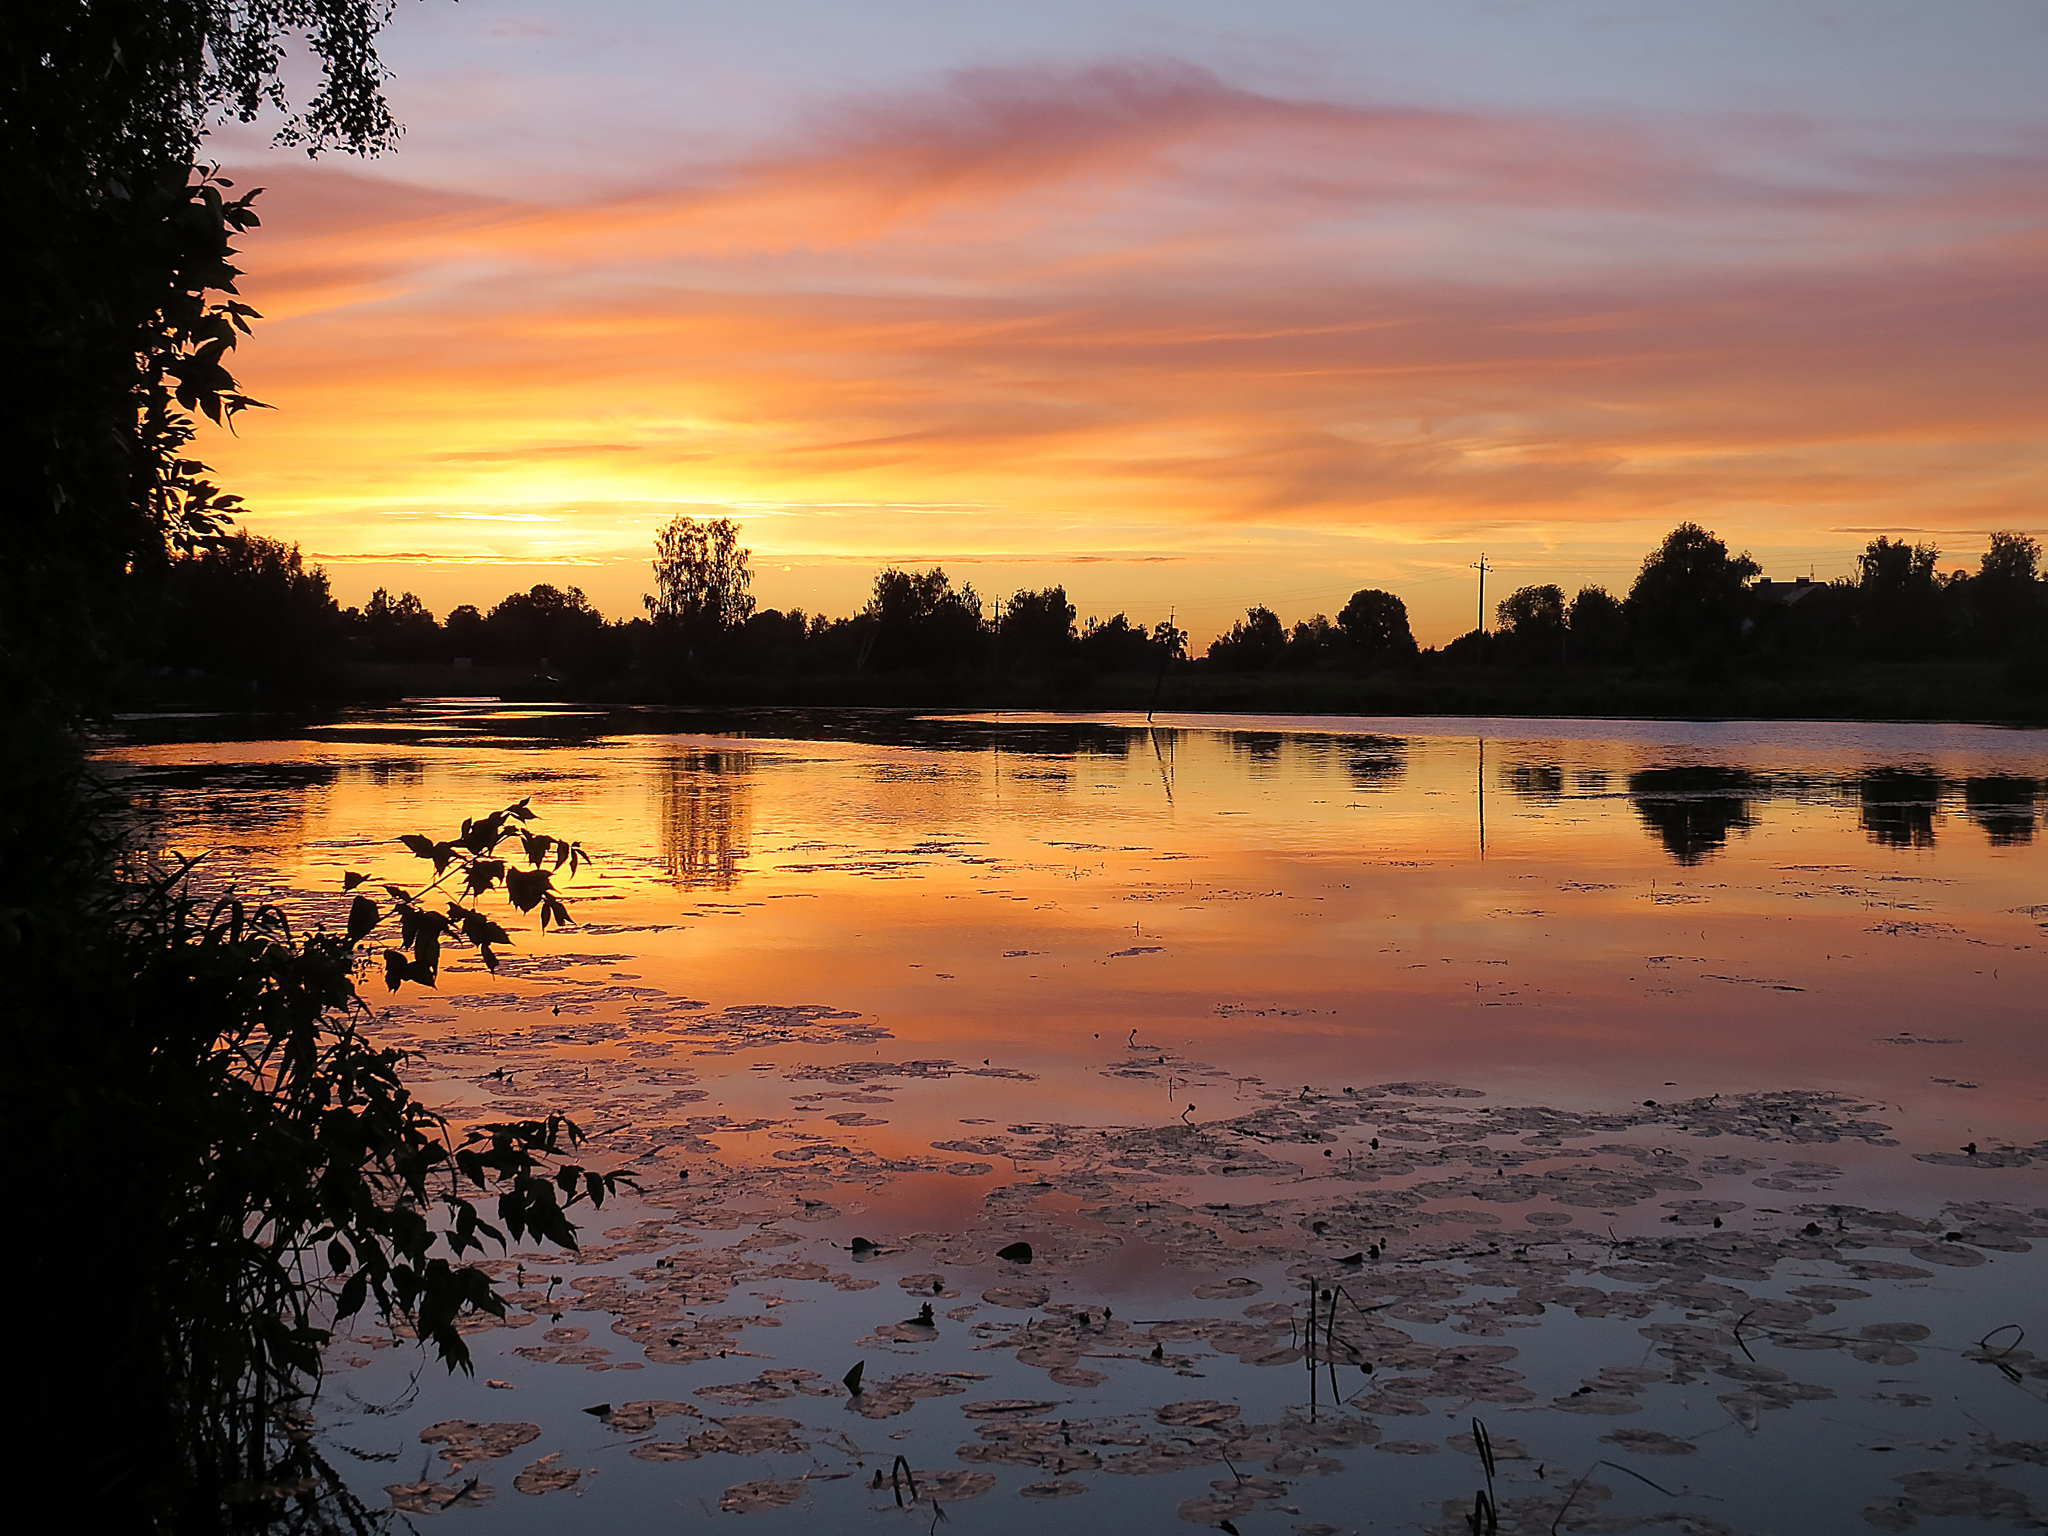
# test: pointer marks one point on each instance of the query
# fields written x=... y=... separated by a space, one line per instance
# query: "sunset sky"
x=1186 y=306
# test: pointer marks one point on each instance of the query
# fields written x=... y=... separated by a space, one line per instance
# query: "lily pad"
x=753 y=1498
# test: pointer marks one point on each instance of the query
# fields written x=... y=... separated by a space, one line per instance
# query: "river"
x=1660 y=1103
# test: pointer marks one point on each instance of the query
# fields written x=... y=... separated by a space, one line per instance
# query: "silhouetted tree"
x=771 y=640
x=1467 y=650
x=1116 y=644
x=250 y=608
x=555 y=626
x=2004 y=599
x=120 y=287
x=920 y=620
x=400 y=628
x=1035 y=629
x=1532 y=625
x=1898 y=600
x=700 y=581
x=467 y=634
x=1254 y=643
x=1376 y=625
x=1688 y=599
x=1596 y=627
x=1313 y=642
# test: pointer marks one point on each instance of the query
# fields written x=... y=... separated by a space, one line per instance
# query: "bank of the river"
x=1930 y=690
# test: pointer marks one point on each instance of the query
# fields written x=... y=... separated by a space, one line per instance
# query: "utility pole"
x=1482 y=568
x=1159 y=682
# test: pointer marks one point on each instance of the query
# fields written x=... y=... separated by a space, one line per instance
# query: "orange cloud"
x=1130 y=312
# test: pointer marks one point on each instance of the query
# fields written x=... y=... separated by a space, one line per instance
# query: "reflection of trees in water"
x=1898 y=806
x=1376 y=764
x=1052 y=739
x=1260 y=750
x=389 y=772
x=1692 y=810
x=1370 y=762
x=2003 y=805
x=229 y=804
x=707 y=816
x=1533 y=781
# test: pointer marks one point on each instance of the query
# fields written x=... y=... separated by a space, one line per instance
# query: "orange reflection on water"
x=1565 y=913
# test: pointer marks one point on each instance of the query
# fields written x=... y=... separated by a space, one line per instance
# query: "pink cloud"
x=1138 y=287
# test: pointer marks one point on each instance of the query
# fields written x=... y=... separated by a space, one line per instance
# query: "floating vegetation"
x=1060 y=1236
x=438 y=1498
x=463 y=1442
x=1429 y=1266
x=752 y=1498
x=547 y=1475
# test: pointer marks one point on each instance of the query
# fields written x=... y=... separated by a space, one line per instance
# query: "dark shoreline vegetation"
x=245 y=621
x=1960 y=691
x=223 y=1165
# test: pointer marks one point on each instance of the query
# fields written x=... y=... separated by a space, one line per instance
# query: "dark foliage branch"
x=474 y=859
x=118 y=274
x=231 y=1162
x=326 y=1185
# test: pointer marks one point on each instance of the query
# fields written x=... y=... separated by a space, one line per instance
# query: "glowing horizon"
x=1183 y=330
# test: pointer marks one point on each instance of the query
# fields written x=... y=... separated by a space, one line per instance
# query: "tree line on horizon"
x=252 y=608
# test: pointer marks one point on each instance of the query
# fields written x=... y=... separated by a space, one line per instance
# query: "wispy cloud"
x=1133 y=297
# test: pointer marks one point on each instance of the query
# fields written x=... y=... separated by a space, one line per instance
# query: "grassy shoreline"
x=1951 y=691
x=1957 y=691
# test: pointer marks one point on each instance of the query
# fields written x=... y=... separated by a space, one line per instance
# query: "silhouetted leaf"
x=353 y=1294
x=362 y=917
x=526 y=887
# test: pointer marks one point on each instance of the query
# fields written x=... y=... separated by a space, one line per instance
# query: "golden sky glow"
x=1175 y=340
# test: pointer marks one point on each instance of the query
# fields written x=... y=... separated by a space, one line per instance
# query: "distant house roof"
x=1786 y=592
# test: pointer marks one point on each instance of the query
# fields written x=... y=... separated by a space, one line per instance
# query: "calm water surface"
x=1614 y=1079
